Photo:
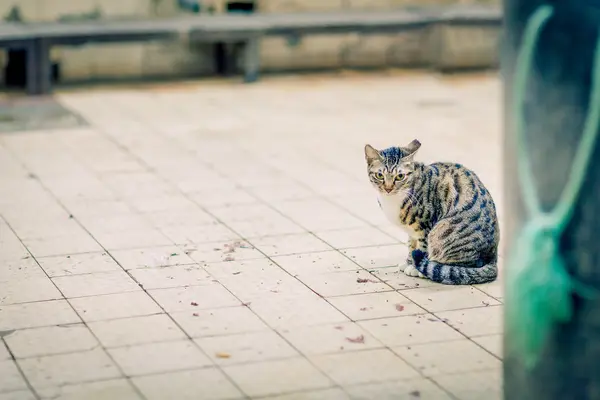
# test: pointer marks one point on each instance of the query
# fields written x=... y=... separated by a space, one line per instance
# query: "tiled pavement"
x=212 y=241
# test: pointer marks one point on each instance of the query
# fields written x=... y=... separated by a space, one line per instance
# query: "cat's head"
x=391 y=170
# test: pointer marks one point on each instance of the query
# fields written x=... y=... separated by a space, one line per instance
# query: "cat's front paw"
x=410 y=270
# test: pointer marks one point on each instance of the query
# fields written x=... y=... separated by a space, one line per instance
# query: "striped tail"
x=452 y=274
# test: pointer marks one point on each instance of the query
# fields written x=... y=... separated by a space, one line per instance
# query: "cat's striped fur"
x=446 y=210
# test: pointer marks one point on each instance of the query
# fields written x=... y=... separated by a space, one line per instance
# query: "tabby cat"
x=448 y=214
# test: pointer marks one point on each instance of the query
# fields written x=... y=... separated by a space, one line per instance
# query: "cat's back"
x=462 y=185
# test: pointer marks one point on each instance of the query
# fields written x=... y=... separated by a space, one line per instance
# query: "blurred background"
x=464 y=45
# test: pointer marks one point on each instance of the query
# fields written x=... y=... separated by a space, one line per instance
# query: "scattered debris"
x=485 y=303
x=223 y=355
x=193 y=303
x=173 y=255
x=195 y=314
x=433 y=320
x=366 y=308
x=237 y=273
x=339 y=328
x=399 y=307
x=229 y=258
x=70 y=216
x=415 y=393
x=358 y=339
x=246 y=304
x=365 y=280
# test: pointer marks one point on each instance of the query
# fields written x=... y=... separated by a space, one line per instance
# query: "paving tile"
x=409 y=330
x=441 y=358
x=20 y=270
x=31 y=315
x=17 y=395
x=443 y=298
x=357 y=237
x=275 y=284
x=322 y=394
x=400 y=281
x=51 y=340
x=231 y=250
x=11 y=248
x=62 y=245
x=473 y=385
x=364 y=367
x=401 y=390
x=209 y=383
x=375 y=305
x=151 y=204
x=280 y=193
x=346 y=336
x=243 y=212
x=378 y=256
x=225 y=197
x=494 y=289
x=277 y=377
x=220 y=321
x=476 y=321
x=290 y=312
x=492 y=343
x=115 y=389
x=329 y=217
x=75 y=264
x=258 y=266
x=96 y=284
x=136 y=330
x=151 y=257
x=315 y=263
x=106 y=224
x=63 y=369
x=194 y=298
x=113 y=306
x=23 y=291
x=91 y=207
x=344 y=283
x=184 y=235
x=182 y=217
x=246 y=347
x=4 y=354
x=290 y=244
x=132 y=239
x=274 y=225
x=11 y=378
x=169 y=277
x=155 y=358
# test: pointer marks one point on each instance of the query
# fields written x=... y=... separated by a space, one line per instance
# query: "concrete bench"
x=38 y=38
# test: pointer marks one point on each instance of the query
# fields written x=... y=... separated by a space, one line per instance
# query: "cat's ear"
x=371 y=154
x=411 y=149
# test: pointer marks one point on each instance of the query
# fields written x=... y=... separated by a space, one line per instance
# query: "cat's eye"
x=399 y=177
x=379 y=175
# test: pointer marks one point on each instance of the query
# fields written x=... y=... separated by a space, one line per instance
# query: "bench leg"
x=44 y=67
x=251 y=60
x=32 y=72
x=39 y=68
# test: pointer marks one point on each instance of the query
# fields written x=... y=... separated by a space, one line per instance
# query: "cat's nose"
x=387 y=189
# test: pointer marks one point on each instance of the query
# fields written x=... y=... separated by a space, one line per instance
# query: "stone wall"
x=150 y=60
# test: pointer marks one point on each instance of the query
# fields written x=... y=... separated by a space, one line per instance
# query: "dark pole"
x=556 y=105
